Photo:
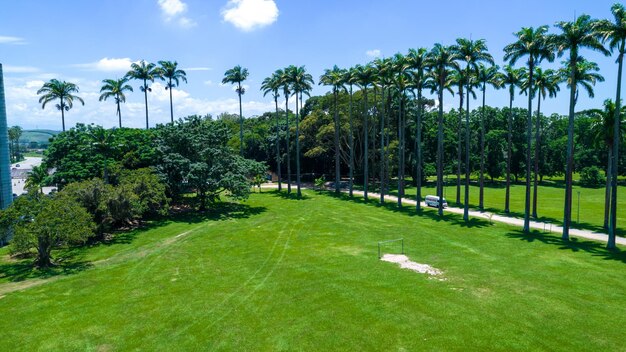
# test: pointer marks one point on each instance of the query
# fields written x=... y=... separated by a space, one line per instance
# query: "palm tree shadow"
x=596 y=249
x=290 y=196
x=409 y=210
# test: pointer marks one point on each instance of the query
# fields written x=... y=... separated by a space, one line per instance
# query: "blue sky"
x=87 y=41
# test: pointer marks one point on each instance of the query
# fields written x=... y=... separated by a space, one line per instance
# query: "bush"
x=591 y=177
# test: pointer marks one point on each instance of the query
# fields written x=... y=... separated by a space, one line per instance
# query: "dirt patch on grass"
x=405 y=263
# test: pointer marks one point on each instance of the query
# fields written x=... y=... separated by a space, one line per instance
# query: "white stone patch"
x=405 y=263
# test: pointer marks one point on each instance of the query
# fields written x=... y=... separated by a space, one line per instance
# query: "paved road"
x=28 y=164
x=496 y=217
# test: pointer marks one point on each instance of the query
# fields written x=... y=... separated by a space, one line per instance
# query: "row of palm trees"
x=468 y=65
x=145 y=72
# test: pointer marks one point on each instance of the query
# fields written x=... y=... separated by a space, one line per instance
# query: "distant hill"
x=41 y=137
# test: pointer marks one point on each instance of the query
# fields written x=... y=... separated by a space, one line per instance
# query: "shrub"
x=591 y=177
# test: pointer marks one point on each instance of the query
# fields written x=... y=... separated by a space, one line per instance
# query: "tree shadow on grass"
x=594 y=248
x=290 y=196
x=65 y=263
x=409 y=210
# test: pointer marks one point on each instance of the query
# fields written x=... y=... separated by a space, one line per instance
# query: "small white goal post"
x=400 y=240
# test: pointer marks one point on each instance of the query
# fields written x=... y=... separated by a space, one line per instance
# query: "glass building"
x=6 y=191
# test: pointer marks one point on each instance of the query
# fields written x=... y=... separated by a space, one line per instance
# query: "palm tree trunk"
x=366 y=148
x=481 y=196
x=337 y=170
x=458 y=149
x=400 y=147
x=288 y=146
x=298 y=149
x=567 y=213
x=145 y=96
x=280 y=186
x=382 y=145
x=529 y=125
x=607 y=190
x=537 y=147
x=240 y=121
x=507 y=197
x=418 y=151
x=616 y=140
x=440 y=149
x=351 y=139
x=119 y=111
x=467 y=156
x=171 y=103
x=62 y=114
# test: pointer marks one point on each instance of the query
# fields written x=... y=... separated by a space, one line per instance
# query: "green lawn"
x=550 y=202
x=282 y=274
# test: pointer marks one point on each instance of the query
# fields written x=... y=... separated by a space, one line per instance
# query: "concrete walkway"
x=547 y=227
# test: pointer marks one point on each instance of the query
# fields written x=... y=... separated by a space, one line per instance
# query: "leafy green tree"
x=14 y=133
x=236 y=75
x=441 y=60
x=51 y=222
x=62 y=91
x=535 y=44
x=272 y=85
x=103 y=141
x=144 y=72
x=115 y=88
x=334 y=78
x=194 y=154
x=149 y=189
x=615 y=34
x=37 y=178
x=93 y=195
x=173 y=75
x=576 y=35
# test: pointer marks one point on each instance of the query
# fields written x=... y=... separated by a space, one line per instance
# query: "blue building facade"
x=6 y=190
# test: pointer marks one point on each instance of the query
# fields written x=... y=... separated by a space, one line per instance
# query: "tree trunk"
x=400 y=149
x=337 y=170
x=351 y=139
x=43 y=252
x=280 y=186
x=481 y=196
x=366 y=147
x=298 y=149
x=145 y=96
x=607 y=190
x=418 y=150
x=567 y=213
x=382 y=145
x=288 y=147
x=62 y=114
x=240 y=121
x=529 y=125
x=467 y=156
x=616 y=140
x=537 y=147
x=119 y=111
x=507 y=197
x=171 y=103
x=440 y=149
x=458 y=149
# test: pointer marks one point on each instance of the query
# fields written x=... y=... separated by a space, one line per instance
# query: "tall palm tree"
x=236 y=75
x=384 y=80
x=350 y=79
x=602 y=130
x=417 y=63
x=485 y=76
x=615 y=34
x=535 y=44
x=61 y=90
x=144 y=72
x=284 y=83
x=301 y=83
x=365 y=78
x=402 y=81
x=272 y=85
x=512 y=78
x=335 y=78
x=458 y=79
x=173 y=75
x=472 y=52
x=546 y=84
x=576 y=35
x=442 y=61
x=102 y=140
x=115 y=88
x=14 y=133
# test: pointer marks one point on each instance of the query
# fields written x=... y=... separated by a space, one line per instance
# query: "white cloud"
x=249 y=15
x=373 y=53
x=208 y=82
x=11 y=40
x=173 y=12
x=108 y=65
x=19 y=69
